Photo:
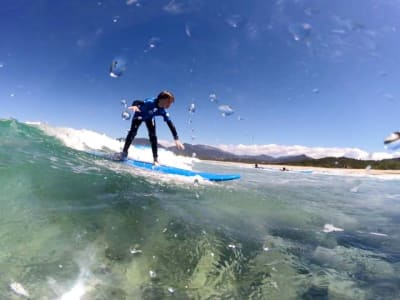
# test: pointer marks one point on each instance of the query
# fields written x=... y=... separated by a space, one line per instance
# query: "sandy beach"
x=333 y=171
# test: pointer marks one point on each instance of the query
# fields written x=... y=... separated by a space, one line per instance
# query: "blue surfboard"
x=167 y=169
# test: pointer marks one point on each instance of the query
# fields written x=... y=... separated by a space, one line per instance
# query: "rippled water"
x=76 y=227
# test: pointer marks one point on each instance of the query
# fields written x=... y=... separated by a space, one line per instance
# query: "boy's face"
x=165 y=103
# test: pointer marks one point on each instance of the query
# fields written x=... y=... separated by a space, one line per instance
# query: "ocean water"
x=74 y=226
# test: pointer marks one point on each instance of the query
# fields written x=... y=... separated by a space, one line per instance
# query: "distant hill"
x=351 y=163
x=213 y=153
x=206 y=152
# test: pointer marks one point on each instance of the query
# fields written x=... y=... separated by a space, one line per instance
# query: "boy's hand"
x=134 y=108
x=179 y=145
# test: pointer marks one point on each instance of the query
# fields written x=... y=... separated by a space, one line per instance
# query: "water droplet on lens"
x=126 y=115
x=300 y=32
x=392 y=138
x=130 y=2
x=187 y=30
x=234 y=21
x=226 y=110
x=118 y=67
x=213 y=97
x=153 y=43
x=192 y=108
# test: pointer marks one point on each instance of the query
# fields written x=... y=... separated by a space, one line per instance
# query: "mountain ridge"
x=207 y=152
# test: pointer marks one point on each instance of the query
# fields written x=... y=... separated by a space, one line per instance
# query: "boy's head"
x=165 y=99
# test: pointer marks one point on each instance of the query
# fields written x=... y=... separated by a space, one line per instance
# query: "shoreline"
x=333 y=171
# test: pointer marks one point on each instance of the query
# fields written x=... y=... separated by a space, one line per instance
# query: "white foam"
x=18 y=289
x=331 y=228
x=84 y=140
x=378 y=234
x=85 y=281
x=76 y=292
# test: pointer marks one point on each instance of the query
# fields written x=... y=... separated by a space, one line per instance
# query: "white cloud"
x=314 y=152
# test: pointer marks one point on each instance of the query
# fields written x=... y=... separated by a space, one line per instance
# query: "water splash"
x=188 y=30
x=123 y=103
x=173 y=7
x=18 y=289
x=135 y=251
x=192 y=108
x=153 y=43
x=126 y=115
x=118 y=67
x=331 y=228
x=226 y=110
x=131 y=2
x=393 y=141
x=213 y=98
x=152 y=274
x=234 y=21
x=300 y=32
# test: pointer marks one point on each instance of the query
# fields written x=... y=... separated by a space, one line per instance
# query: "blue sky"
x=310 y=73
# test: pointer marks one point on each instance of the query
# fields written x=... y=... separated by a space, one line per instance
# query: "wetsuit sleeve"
x=173 y=129
x=137 y=102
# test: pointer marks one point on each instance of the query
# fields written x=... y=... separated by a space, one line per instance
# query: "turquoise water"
x=74 y=227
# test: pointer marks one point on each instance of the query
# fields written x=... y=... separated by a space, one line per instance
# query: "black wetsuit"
x=148 y=110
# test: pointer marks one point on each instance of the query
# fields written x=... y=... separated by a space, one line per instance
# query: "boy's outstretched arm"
x=136 y=105
x=178 y=143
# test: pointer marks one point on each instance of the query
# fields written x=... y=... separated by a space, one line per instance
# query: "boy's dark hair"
x=166 y=95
